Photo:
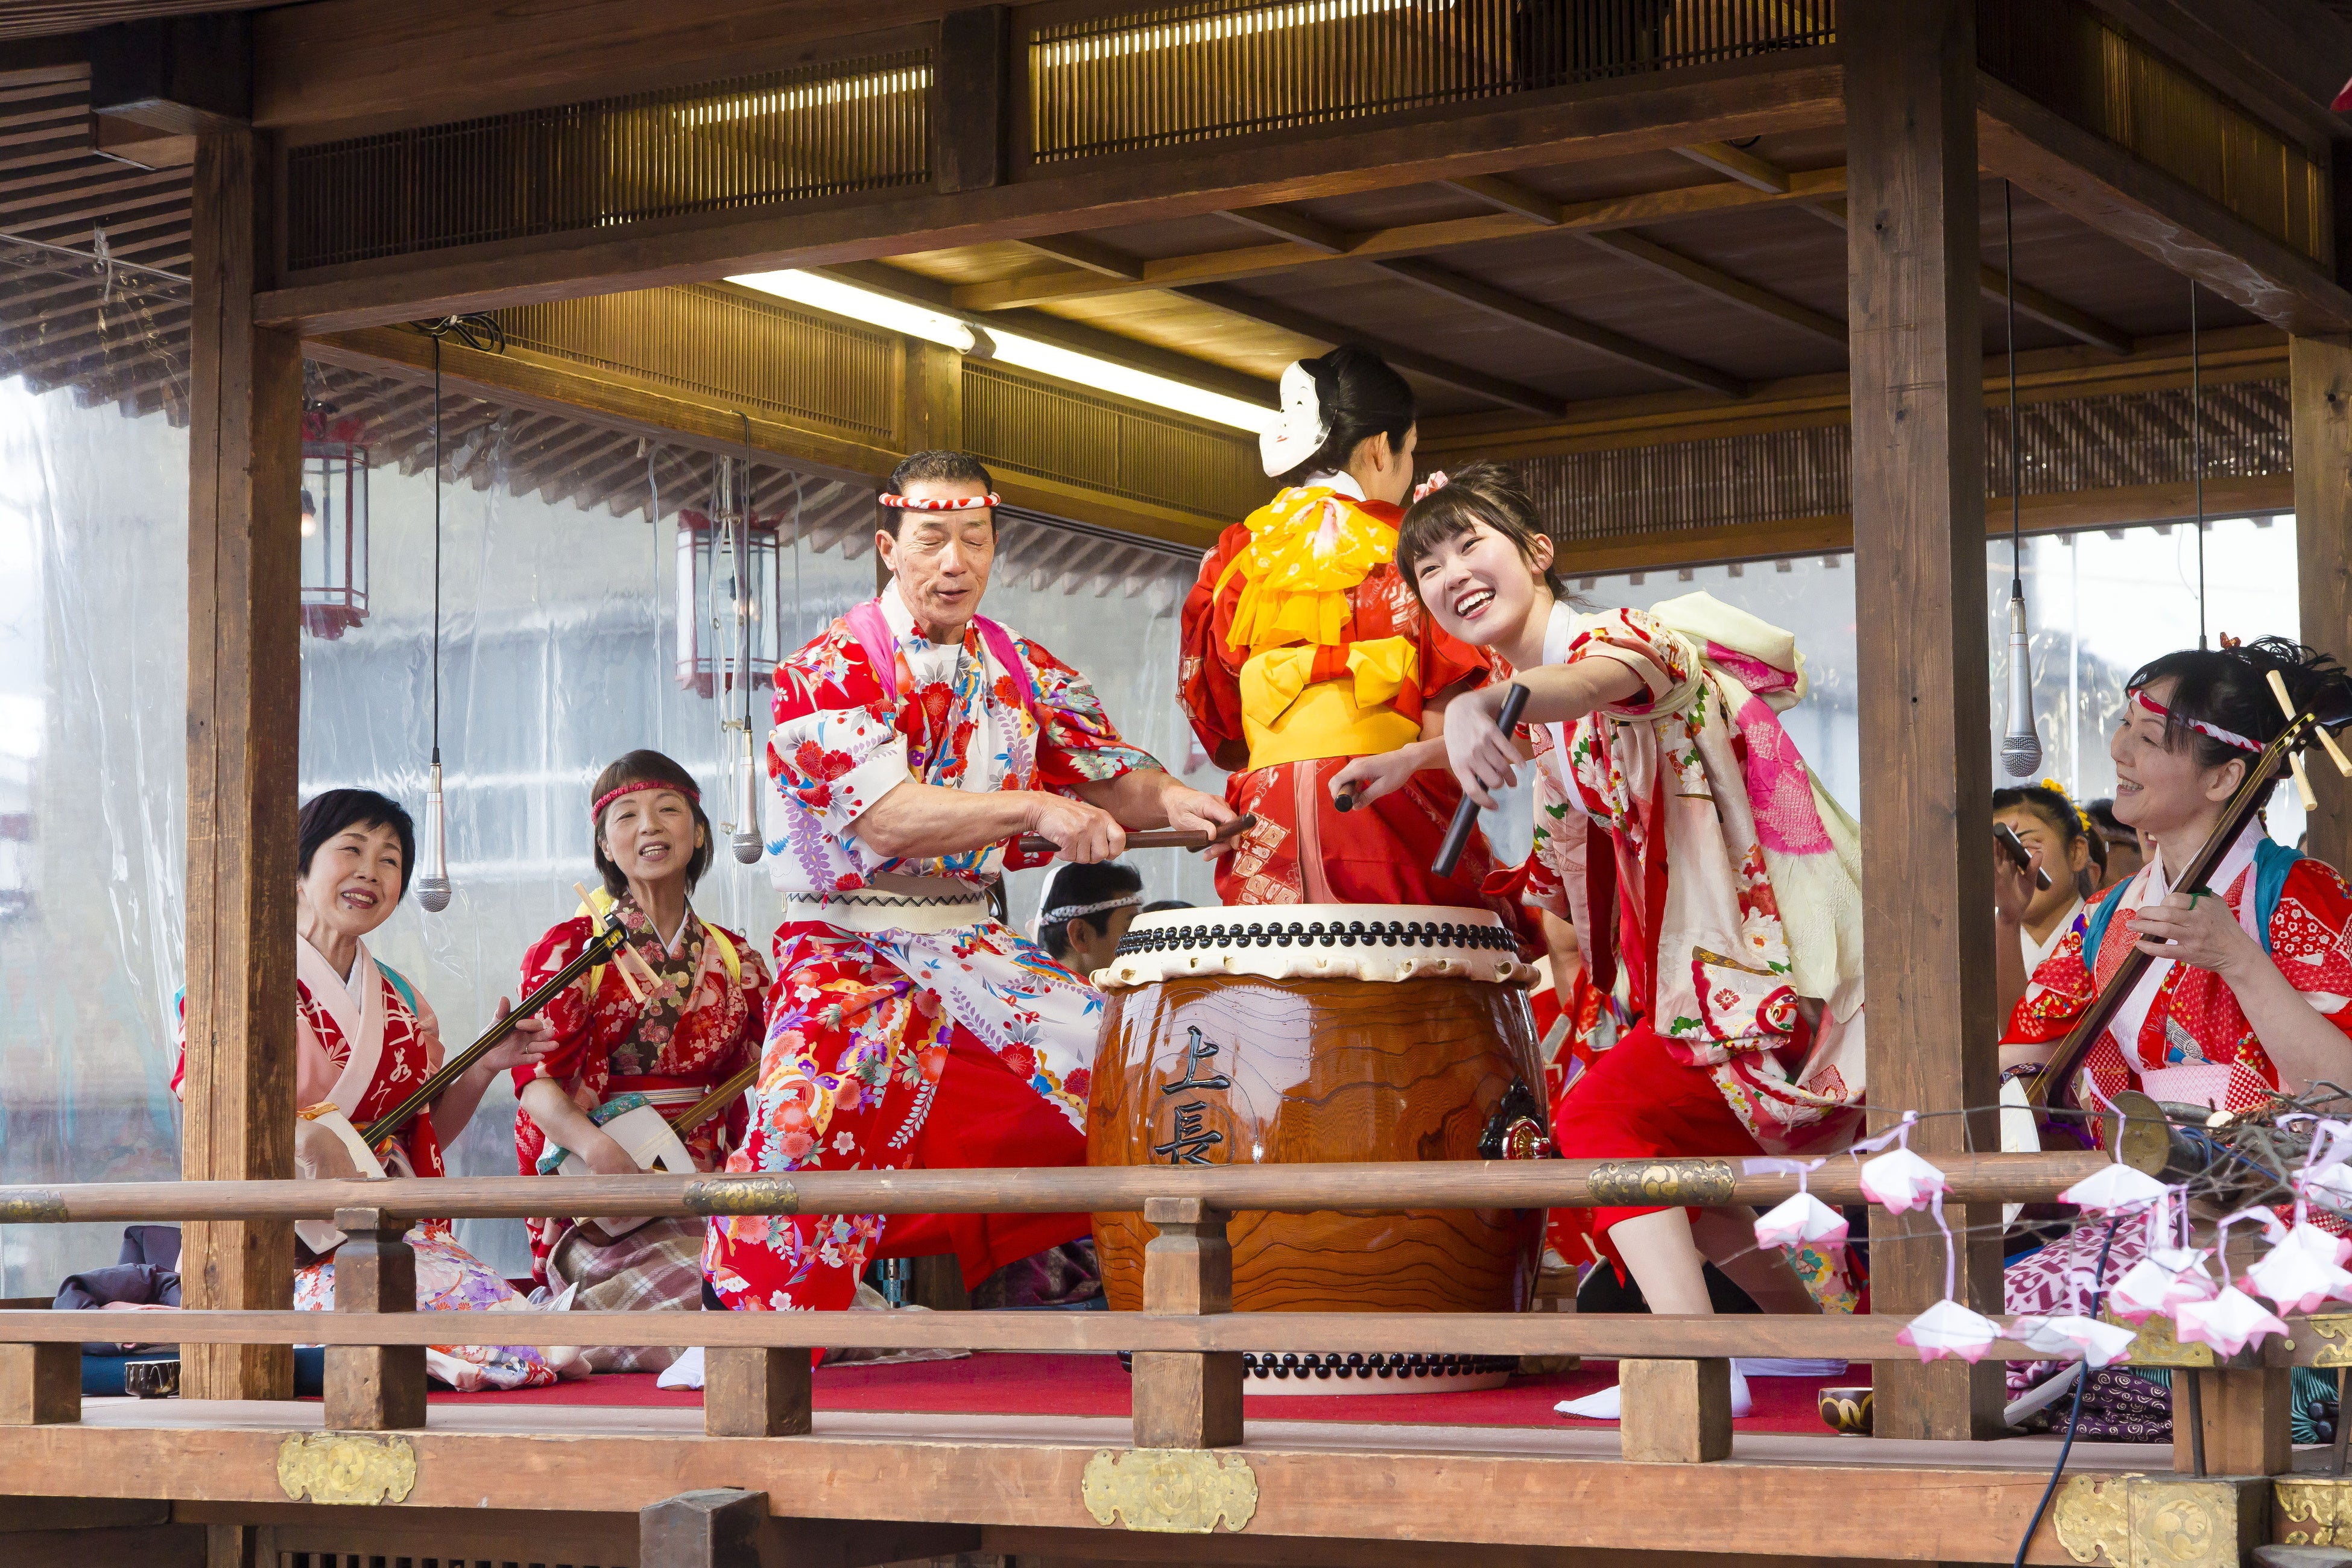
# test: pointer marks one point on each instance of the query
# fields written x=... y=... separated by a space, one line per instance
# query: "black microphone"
x=1465 y=816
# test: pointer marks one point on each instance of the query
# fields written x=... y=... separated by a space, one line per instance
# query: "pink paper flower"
x=1803 y=1219
x=1949 y=1328
x=2227 y=1322
x=2302 y=1271
x=2116 y=1188
x=2074 y=1338
x=2167 y=1279
x=1901 y=1181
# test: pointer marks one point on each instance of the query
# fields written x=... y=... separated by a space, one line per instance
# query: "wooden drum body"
x=1412 y=1044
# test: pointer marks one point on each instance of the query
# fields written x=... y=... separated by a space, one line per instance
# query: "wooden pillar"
x=934 y=410
x=1919 y=607
x=750 y=1392
x=375 y=1388
x=2319 y=373
x=40 y=1384
x=972 y=99
x=1187 y=1399
x=244 y=701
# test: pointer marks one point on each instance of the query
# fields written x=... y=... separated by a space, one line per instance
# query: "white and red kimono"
x=1733 y=881
x=908 y=1029
x=700 y=1023
x=362 y=1044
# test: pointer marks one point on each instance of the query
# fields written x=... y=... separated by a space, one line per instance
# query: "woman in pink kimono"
x=365 y=1039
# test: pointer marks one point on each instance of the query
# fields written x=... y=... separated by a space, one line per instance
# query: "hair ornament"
x=1061 y=912
x=1430 y=486
x=938 y=503
x=2227 y=641
x=2054 y=787
x=1299 y=430
x=610 y=795
x=2215 y=732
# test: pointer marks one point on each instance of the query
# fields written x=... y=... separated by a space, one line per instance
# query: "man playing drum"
x=908 y=1028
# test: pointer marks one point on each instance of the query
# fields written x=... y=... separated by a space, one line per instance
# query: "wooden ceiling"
x=38 y=18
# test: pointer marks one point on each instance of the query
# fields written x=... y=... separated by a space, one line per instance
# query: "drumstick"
x=1465 y=816
x=620 y=961
x=1157 y=837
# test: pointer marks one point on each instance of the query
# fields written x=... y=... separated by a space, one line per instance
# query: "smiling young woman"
x=698 y=1022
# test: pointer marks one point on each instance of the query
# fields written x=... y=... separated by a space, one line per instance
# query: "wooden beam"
x=245 y=384
x=2095 y=180
x=1297 y=228
x=1413 y=362
x=1735 y=163
x=1088 y=255
x=1914 y=314
x=1509 y=196
x=1509 y=222
x=1597 y=120
x=2032 y=302
x=2320 y=378
x=1528 y=313
x=1737 y=291
x=972 y=99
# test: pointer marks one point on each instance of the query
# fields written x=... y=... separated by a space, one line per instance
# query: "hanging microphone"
x=748 y=846
x=433 y=886
x=2021 y=748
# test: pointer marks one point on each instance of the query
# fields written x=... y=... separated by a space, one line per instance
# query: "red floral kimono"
x=1304 y=645
x=2182 y=1036
x=699 y=1025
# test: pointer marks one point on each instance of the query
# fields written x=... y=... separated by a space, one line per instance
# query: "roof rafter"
x=1738 y=164
x=1721 y=284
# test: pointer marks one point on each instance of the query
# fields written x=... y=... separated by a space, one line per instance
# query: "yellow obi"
x=1289 y=716
x=1308 y=548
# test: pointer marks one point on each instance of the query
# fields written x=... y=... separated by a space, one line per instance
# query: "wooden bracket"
x=750 y=1392
x=1187 y=1399
x=40 y=1385
x=1675 y=1411
x=375 y=1388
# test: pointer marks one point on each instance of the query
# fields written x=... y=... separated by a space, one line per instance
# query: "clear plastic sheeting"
x=557 y=654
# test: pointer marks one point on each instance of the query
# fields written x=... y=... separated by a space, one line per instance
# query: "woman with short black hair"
x=364 y=1037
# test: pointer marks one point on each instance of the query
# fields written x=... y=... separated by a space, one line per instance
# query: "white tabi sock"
x=1609 y=1405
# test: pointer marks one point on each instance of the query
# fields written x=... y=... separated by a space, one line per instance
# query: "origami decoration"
x=2116 y=1188
x=1949 y=1329
x=1803 y=1219
x=2227 y=1322
x=1900 y=1180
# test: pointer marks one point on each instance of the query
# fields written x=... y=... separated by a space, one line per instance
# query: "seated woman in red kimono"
x=1304 y=651
x=695 y=1019
x=364 y=1037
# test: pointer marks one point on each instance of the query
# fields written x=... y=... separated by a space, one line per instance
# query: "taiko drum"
x=1327 y=1032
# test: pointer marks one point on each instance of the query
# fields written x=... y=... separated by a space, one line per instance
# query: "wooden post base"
x=747 y=1392
x=1675 y=1411
x=2246 y=1420
x=375 y=1388
x=1186 y=1399
x=40 y=1385
x=715 y=1529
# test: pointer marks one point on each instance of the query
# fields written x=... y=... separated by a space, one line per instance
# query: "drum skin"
x=1321 y=1070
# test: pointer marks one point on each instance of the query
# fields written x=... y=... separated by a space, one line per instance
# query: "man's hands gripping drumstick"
x=1112 y=816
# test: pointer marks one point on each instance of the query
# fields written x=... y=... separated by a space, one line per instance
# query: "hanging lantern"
x=709 y=636
x=334 y=521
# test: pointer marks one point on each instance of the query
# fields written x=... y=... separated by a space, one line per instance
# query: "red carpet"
x=1093 y=1385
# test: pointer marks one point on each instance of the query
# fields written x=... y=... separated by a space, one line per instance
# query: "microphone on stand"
x=747 y=845
x=433 y=886
x=2021 y=748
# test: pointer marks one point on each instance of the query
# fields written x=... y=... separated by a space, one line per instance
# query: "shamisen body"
x=913 y=738
x=1733 y=876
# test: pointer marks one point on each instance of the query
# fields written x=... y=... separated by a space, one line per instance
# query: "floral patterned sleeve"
x=2311 y=938
x=2055 y=994
x=1078 y=745
x=1206 y=679
x=836 y=748
x=1665 y=661
x=568 y=1012
x=1556 y=865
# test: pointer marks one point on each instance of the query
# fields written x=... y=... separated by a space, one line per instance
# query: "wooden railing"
x=1187 y=1343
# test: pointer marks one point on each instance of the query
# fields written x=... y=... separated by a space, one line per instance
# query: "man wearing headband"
x=908 y=1028
x=1083 y=913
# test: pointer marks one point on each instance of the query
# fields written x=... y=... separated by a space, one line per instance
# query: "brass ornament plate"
x=32 y=1205
x=1638 y=1184
x=362 y=1467
x=2313 y=1510
x=1183 y=1492
x=742 y=1195
x=2152 y=1521
x=2334 y=1331
x=2156 y=1346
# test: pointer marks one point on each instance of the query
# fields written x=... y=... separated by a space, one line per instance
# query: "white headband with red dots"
x=938 y=503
